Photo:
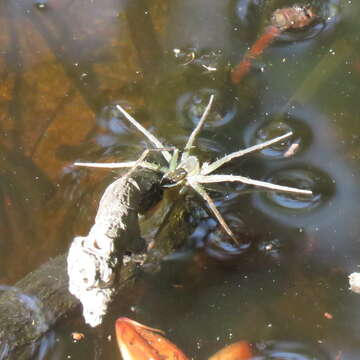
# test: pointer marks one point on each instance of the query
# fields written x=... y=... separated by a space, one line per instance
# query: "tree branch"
x=32 y=307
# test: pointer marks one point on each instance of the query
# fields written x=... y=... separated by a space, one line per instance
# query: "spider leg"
x=131 y=164
x=216 y=164
x=197 y=129
x=174 y=160
x=202 y=192
x=145 y=153
x=206 y=179
x=138 y=162
x=150 y=136
x=118 y=165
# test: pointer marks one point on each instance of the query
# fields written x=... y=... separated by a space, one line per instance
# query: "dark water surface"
x=66 y=63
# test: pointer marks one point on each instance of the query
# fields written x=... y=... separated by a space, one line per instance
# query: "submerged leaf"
x=140 y=342
x=240 y=350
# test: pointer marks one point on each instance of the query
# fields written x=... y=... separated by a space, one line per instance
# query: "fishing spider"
x=184 y=169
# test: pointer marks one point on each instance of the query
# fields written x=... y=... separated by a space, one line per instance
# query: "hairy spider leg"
x=131 y=164
x=150 y=136
x=208 y=179
x=118 y=165
x=209 y=168
x=142 y=157
x=197 y=130
x=174 y=160
x=202 y=192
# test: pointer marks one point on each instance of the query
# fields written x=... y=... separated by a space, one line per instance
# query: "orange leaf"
x=240 y=350
x=140 y=342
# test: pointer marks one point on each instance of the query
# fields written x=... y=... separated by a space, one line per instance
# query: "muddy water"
x=65 y=64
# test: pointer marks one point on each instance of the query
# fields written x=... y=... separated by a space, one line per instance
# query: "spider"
x=185 y=170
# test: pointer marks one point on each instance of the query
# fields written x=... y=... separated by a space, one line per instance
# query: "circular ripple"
x=291 y=350
x=301 y=139
x=192 y=105
x=224 y=251
x=320 y=184
x=219 y=245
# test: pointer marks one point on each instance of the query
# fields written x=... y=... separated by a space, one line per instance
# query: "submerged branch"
x=35 y=304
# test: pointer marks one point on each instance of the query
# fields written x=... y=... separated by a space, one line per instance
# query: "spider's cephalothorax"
x=186 y=170
x=174 y=178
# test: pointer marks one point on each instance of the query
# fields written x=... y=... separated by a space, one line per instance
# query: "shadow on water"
x=65 y=64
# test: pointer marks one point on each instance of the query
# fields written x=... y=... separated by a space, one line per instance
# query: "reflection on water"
x=67 y=63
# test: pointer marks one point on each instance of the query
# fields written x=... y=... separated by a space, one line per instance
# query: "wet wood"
x=93 y=260
x=37 y=302
x=32 y=306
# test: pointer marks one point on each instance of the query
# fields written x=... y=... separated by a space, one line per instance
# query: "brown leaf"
x=140 y=342
x=240 y=350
